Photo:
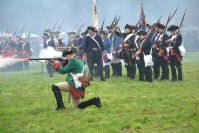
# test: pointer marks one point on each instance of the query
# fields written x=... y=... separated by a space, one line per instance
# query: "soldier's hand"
x=52 y=61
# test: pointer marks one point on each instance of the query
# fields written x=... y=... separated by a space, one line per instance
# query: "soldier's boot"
x=107 y=71
x=179 y=73
x=58 y=97
x=119 y=69
x=133 y=72
x=173 y=72
x=148 y=75
x=94 y=101
x=141 y=75
x=113 y=68
x=101 y=75
x=156 y=73
x=167 y=72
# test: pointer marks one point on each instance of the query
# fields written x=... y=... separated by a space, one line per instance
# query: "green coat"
x=75 y=66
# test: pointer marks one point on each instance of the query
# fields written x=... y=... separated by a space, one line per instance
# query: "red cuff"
x=56 y=66
x=126 y=45
x=140 y=50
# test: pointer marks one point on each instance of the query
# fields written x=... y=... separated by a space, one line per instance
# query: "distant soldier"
x=175 y=54
x=26 y=51
x=107 y=46
x=72 y=41
x=116 y=41
x=93 y=52
x=49 y=42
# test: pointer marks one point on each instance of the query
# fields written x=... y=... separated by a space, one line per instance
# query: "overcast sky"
x=35 y=13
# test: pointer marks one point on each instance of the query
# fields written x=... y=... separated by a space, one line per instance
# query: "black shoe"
x=98 y=102
x=173 y=80
x=102 y=79
x=60 y=108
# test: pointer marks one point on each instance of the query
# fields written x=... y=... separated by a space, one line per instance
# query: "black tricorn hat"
x=47 y=30
x=103 y=32
x=149 y=26
x=161 y=26
x=109 y=27
x=141 y=32
x=71 y=33
x=46 y=34
x=18 y=37
x=127 y=26
x=68 y=51
x=172 y=28
x=92 y=28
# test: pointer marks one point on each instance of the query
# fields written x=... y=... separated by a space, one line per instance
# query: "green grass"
x=27 y=104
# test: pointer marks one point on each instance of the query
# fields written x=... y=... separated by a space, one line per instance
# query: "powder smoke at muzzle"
x=4 y=62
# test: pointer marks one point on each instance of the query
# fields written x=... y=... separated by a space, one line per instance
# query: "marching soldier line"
x=101 y=49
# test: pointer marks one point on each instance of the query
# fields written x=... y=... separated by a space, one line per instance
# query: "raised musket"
x=55 y=25
x=173 y=14
x=181 y=24
x=79 y=29
x=60 y=25
x=102 y=27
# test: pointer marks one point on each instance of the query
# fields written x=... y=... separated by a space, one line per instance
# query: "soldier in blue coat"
x=93 y=52
x=145 y=49
x=175 y=54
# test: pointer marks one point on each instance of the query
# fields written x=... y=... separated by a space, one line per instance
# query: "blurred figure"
x=71 y=39
x=107 y=46
x=25 y=52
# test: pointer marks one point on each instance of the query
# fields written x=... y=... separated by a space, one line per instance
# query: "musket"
x=45 y=59
x=151 y=30
x=15 y=32
x=28 y=34
x=137 y=23
x=115 y=18
x=6 y=30
x=102 y=27
x=22 y=30
x=181 y=24
x=79 y=29
x=55 y=25
x=126 y=50
x=12 y=29
x=60 y=25
x=173 y=14
x=165 y=28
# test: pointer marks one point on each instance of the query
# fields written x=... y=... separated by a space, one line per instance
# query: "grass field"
x=27 y=104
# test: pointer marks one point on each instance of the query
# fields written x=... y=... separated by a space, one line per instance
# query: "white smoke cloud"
x=6 y=61
x=49 y=53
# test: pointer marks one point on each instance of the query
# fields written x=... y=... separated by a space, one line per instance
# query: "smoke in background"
x=7 y=61
x=35 y=13
x=50 y=52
